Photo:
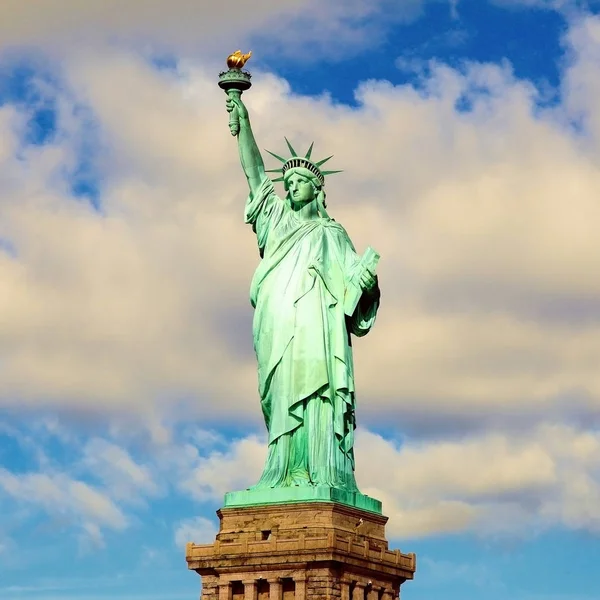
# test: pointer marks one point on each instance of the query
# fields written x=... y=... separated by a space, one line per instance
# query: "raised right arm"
x=250 y=157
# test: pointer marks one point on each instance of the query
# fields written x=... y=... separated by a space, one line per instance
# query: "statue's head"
x=302 y=176
x=301 y=185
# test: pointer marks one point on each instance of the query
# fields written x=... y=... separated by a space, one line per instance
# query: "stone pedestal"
x=304 y=551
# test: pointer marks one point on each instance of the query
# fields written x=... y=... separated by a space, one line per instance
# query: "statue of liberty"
x=311 y=291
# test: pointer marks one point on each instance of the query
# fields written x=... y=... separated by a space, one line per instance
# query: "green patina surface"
x=291 y=495
x=311 y=292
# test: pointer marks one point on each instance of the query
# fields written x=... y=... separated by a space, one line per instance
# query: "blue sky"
x=469 y=136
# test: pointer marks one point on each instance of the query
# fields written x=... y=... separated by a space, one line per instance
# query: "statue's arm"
x=366 y=311
x=250 y=157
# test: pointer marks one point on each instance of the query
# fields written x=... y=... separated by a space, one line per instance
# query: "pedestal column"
x=250 y=589
x=225 y=591
x=345 y=590
x=300 y=587
x=358 y=592
x=275 y=589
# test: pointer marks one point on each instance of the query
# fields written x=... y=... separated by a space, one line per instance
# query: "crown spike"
x=283 y=160
x=323 y=161
x=296 y=161
x=278 y=179
x=293 y=152
x=309 y=151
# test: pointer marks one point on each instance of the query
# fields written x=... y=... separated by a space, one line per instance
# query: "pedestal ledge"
x=294 y=495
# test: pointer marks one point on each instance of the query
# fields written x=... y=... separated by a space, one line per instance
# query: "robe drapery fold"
x=302 y=343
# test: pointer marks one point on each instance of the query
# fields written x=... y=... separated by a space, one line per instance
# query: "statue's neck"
x=305 y=212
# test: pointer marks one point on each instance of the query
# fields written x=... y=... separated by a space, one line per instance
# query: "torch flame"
x=237 y=60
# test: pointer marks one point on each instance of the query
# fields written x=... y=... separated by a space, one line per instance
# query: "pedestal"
x=300 y=551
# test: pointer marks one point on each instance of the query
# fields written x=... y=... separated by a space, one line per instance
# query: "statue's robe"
x=302 y=342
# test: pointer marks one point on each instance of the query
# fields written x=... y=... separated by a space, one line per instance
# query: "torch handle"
x=234 y=119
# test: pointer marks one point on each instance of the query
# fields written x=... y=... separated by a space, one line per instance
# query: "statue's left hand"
x=368 y=281
x=234 y=102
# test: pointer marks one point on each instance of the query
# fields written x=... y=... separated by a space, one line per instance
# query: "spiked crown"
x=301 y=161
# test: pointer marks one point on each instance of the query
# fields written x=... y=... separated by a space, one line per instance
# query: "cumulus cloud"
x=117 y=470
x=487 y=238
x=73 y=21
x=496 y=485
x=198 y=530
x=106 y=486
x=298 y=27
x=59 y=496
x=209 y=476
x=485 y=218
x=566 y=6
x=90 y=485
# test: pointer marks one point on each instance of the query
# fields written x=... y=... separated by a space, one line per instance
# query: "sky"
x=468 y=132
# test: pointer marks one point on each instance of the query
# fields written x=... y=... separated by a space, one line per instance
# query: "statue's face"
x=300 y=188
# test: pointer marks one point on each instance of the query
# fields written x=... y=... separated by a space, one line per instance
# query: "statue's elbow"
x=359 y=331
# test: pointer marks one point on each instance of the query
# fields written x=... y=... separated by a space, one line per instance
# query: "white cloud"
x=486 y=224
x=298 y=27
x=198 y=530
x=487 y=238
x=211 y=475
x=492 y=484
x=10 y=124
x=62 y=497
x=118 y=472
x=568 y=7
x=91 y=537
x=71 y=21
x=495 y=485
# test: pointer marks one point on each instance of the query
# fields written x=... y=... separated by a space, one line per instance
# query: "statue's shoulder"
x=336 y=227
x=267 y=190
x=340 y=236
x=266 y=195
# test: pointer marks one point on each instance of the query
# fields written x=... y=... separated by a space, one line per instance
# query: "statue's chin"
x=298 y=205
